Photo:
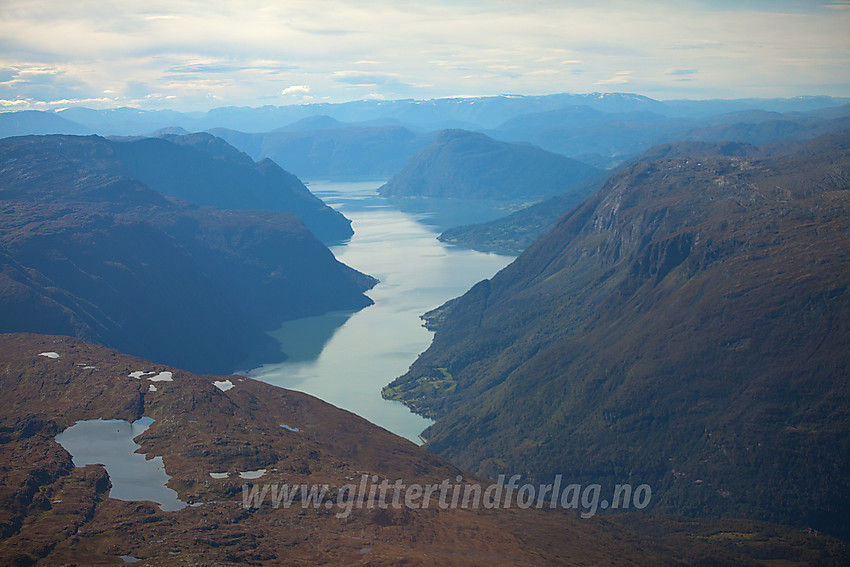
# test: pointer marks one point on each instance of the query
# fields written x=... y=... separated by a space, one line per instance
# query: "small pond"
x=110 y=443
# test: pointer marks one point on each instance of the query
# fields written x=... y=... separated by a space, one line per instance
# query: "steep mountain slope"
x=468 y=165
x=514 y=233
x=89 y=253
x=202 y=169
x=206 y=170
x=251 y=435
x=688 y=326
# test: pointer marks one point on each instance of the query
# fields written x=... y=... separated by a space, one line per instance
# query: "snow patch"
x=288 y=428
x=138 y=374
x=223 y=385
x=161 y=377
x=151 y=388
x=219 y=475
x=251 y=475
x=49 y=354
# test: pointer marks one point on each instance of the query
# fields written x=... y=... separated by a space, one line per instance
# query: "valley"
x=672 y=329
x=456 y=283
x=350 y=357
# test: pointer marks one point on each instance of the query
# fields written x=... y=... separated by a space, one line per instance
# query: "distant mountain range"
x=329 y=150
x=373 y=139
x=688 y=325
x=91 y=249
x=28 y=122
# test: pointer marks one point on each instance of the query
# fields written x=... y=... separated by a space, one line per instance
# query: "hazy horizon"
x=192 y=56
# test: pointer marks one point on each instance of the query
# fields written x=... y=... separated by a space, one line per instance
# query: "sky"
x=196 y=55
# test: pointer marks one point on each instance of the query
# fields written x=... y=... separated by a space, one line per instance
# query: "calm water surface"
x=346 y=358
x=110 y=443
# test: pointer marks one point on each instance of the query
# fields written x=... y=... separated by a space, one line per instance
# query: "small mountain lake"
x=347 y=358
x=110 y=443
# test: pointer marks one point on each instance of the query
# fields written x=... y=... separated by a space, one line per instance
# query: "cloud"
x=296 y=89
x=838 y=5
x=388 y=81
x=52 y=51
x=619 y=78
x=30 y=104
x=682 y=75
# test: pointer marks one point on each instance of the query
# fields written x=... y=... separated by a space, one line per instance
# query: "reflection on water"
x=443 y=213
x=305 y=338
x=345 y=358
x=110 y=443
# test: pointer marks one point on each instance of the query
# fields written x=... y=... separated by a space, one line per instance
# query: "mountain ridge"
x=466 y=165
x=663 y=329
x=90 y=252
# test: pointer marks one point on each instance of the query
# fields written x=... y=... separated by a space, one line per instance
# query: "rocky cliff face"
x=91 y=252
x=687 y=325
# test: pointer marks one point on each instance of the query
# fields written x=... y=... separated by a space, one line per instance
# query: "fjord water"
x=346 y=358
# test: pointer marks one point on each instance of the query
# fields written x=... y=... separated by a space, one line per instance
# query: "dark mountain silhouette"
x=90 y=251
x=688 y=325
x=468 y=165
x=206 y=170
